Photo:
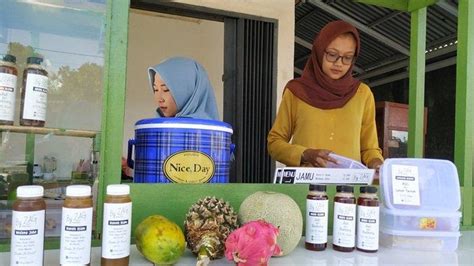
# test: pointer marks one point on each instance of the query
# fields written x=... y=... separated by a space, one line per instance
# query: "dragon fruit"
x=252 y=244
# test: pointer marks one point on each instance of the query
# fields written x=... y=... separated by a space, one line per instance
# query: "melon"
x=160 y=240
x=278 y=209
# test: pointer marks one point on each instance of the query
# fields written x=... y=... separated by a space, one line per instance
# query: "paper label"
x=314 y=175
x=344 y=225
x=36 y=97
x=7 y=96
x=116 y=230
x=76 y=235
x=317 y=221
x=405 y=185
x=368 y=227
x=27 y=238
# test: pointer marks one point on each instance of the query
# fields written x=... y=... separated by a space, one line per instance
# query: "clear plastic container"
x=419 y=240
x=420 y=184
x=410 y=220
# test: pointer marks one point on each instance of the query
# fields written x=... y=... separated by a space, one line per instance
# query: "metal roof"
x=385 y=36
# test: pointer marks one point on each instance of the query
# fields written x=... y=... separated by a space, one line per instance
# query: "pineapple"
x=208 y=223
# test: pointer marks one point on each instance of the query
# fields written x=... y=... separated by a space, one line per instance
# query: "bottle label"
x=405 y=185
x=36 y=97
x=7 y=96
x=76 y=235
x=27 y=238
x=368 y=227
x=344 y=225
x=316 y=221
x=116 y=230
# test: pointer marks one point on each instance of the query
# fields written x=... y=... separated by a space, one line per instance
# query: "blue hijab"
x=189 y=84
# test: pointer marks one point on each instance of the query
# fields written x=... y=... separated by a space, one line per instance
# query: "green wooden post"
x=113 y=108
x=417 y=83
x=463 y=147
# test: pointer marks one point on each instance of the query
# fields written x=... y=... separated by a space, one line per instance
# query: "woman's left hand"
x=375 y=164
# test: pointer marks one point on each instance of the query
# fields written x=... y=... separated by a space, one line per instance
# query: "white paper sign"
x=405 y=185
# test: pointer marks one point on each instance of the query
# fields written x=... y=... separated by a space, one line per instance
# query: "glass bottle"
x=8 y=79
x=368 y=220
x=76 y=226
x=317 y=208
x=344 y=228
x=28 y=218
x=34 y=94
x=116 y=227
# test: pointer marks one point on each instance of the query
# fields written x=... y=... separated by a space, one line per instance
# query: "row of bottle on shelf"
x=34 y=92
x=28 y=224
x=355 y=223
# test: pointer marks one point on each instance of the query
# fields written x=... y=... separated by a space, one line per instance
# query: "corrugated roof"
x=385 y=37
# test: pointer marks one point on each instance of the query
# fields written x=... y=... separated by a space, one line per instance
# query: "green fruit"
x=278 y=209
x=160 y=240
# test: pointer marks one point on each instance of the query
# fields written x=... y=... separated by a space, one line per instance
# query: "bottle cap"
x=29 y=191
x=78 y=191
x=9 y=58
x=345 y=188
x=118 y=189
x=34 y=60
x=368 y=189
x=321 y=188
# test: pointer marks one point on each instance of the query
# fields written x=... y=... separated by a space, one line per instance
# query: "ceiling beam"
x=303 y=43
x=404 y=63
x=381 y=38
x=384 y=18
x=298 y=71
x=401 y=5
x=431 y=67
x=448 y=7
x=306 y=17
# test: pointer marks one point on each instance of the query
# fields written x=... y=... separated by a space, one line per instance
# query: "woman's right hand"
x=317 y=157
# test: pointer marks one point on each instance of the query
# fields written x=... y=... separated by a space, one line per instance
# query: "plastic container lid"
x=34 y=60
x=118 y=189
x=78 y=191
x=420 y=233
x=185 y=123
x=368 y=189
x=418 y=213
x=29 y=191
x=9 y=58
x=420 y=184
x=313 y=187
x=344 y=188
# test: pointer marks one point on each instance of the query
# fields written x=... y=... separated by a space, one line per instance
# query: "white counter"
x=300 y=256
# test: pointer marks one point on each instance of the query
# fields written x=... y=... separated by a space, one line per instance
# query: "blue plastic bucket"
x=180 y=150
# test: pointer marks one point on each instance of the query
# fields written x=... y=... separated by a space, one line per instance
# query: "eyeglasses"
x=333 y=57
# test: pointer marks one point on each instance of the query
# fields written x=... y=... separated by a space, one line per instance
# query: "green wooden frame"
x=172 y=200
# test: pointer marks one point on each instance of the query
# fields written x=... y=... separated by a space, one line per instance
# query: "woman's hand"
x=375 y=164
x=317 y=157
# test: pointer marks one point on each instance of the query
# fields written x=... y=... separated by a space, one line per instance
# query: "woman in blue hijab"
x=182 y=88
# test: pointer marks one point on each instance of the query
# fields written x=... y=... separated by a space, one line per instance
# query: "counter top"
x=300 y=256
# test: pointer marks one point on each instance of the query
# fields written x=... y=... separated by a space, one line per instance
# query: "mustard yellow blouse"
x=348 y=131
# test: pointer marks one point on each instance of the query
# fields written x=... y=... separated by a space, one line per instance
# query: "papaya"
x=160 y=240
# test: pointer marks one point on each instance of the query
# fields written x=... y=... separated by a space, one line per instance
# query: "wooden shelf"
x=46 y=130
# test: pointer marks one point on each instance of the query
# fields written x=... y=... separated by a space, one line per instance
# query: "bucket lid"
x=185 y=123
x=420 y=184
